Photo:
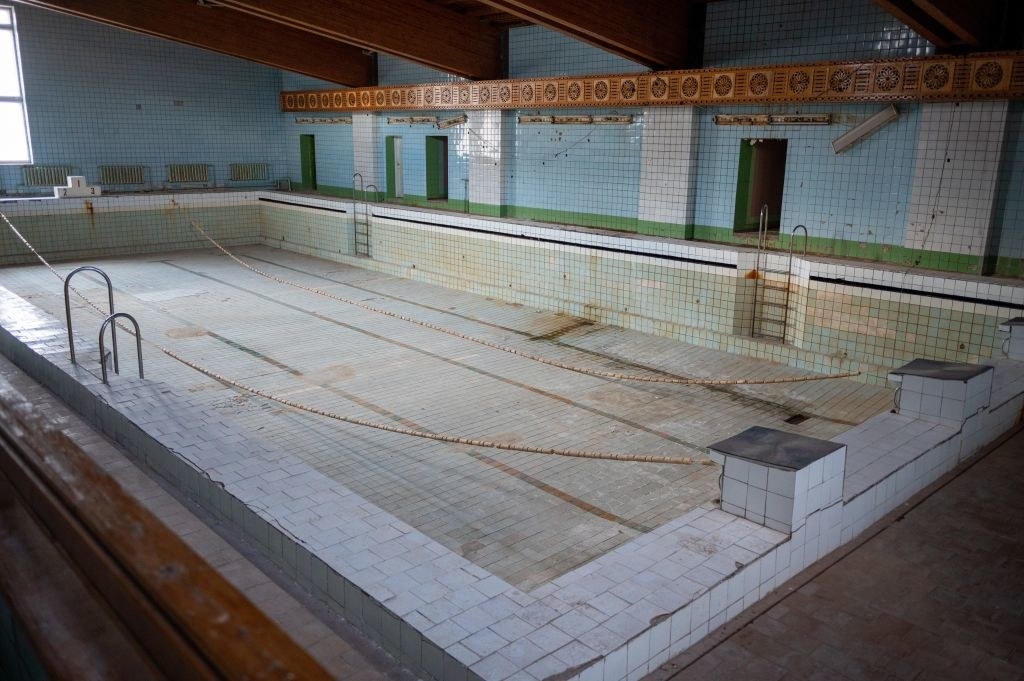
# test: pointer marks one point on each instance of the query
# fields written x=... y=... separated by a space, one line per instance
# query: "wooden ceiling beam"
x=656 y=33
x=416 y=30
x=222 y=30
x=918 y=20
x=975 y=24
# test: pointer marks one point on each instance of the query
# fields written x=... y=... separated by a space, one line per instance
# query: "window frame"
x=20 y=98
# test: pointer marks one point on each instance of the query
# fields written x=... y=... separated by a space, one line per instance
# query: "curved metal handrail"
x=67 y=308
x=138 y=342
x=792 y=242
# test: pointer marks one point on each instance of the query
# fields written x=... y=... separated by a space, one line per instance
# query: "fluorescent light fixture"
x=611 y=120
x=865 y=129
x=571 y=120
x=773 y=119
x=452 y=122
x=533 y=120
x=394 y=120
x=340 y=120
x=741 y=119
x=800 y=119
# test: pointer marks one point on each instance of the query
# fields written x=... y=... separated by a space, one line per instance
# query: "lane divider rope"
x=679 y=380
x=354 y=420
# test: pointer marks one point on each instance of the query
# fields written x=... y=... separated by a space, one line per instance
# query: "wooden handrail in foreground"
x=189 y=620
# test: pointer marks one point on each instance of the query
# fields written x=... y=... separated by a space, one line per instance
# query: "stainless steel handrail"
x=109 y=321
x=67 y=307
x=762 y=232
x=789 y=268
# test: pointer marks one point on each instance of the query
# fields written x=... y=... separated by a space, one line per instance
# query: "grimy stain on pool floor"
x=525 y=517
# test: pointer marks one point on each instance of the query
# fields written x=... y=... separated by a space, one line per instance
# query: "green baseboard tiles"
x=856 y=250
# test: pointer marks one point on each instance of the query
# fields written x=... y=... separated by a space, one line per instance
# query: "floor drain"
x=796 y=418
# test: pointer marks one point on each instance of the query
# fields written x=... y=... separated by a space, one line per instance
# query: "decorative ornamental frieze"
x=979 y=76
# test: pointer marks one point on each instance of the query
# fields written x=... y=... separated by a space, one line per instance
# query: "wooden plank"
x=222 y=30
x=187 y=617
x=416 y=30
x=71 y=630
x=911 y=15
x=656 y=33
x=974 y=23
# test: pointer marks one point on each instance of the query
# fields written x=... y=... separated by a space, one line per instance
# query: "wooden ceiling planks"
x=416 y=30
x=228 y=32
x=654 y=33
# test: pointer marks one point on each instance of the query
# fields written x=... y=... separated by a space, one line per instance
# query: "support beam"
x=953 y=24
x=416 y=30
x=222 y=30
x=918 y=20
x=974 y=24
x=655 y=33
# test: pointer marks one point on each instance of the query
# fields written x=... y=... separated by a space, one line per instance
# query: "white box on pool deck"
x=777 y=478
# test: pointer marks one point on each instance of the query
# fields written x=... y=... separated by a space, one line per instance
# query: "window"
x=14 y=142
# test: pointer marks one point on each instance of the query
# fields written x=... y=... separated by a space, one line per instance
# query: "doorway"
x=307 y=161
x=394 y=171
x=437 y=167
x=760 y=182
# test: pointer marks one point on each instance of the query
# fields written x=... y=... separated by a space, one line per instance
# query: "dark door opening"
x=307 y=161
x=394 y=173
x=437 y=167
x=760 y=182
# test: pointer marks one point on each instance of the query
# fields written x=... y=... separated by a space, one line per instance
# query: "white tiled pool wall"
x=842 y=316
x=877 y=318
x=615 y=617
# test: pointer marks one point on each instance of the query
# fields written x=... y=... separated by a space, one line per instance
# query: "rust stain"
x=185 y=332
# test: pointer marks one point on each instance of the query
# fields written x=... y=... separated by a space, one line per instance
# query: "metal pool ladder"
x=770 y=312
x=111 y=321
x=67 y=308
x=361 y=225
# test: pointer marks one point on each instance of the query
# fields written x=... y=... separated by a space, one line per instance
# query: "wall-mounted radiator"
x=189 y=172
x=248 y=172
x=46 y=176
x=118 y=174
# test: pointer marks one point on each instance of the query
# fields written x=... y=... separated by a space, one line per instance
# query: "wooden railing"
x=180 y=616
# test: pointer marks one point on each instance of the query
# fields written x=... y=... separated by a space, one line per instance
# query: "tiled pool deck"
x=462 y=560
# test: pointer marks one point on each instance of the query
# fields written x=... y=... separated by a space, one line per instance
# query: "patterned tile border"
x=980 y=76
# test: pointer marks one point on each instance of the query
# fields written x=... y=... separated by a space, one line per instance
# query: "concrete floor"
x=527 y=518
x=938 y=593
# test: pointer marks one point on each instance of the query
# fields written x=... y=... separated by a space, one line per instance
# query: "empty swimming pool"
x=524 y=517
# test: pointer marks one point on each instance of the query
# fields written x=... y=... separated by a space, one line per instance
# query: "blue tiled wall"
x=414 y=153
x=747 y=32
x=534 y=51
x=100 y=95
x=859 y=195
x=582 y=169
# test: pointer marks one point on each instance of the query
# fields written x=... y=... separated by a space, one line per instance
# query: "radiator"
x=122 y=174
x=188 y=172
x=46 y=176
x=248 y=171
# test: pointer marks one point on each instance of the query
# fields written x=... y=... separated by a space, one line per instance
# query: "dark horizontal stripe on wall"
x=540 y=239
x=915 y=292
x=302 y=205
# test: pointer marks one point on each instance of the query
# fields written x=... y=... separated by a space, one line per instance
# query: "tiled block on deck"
x=779 y=479
x=950 y=392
